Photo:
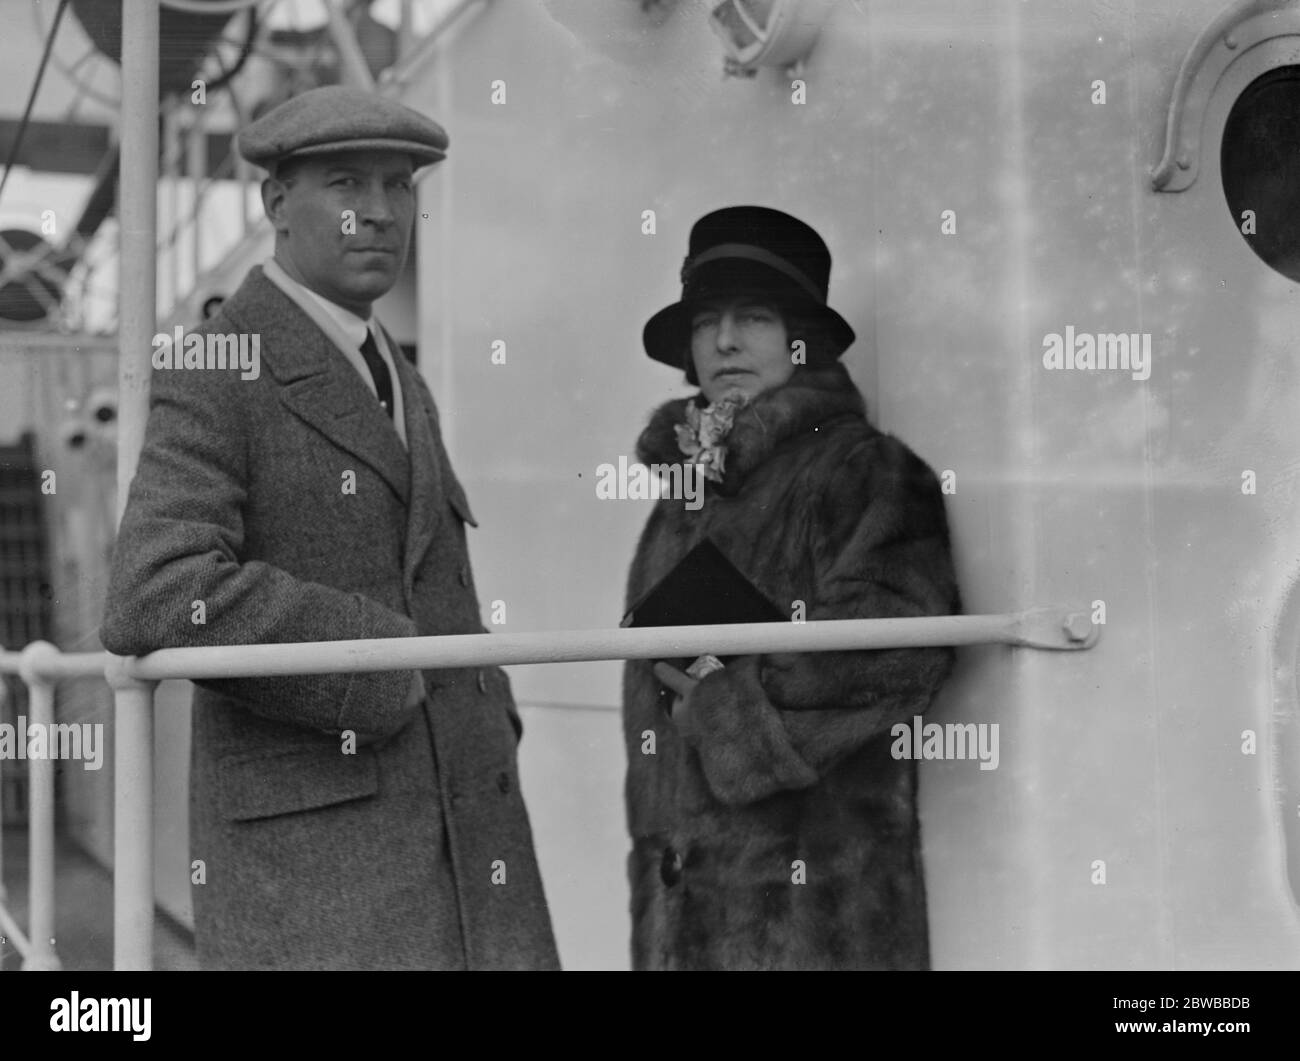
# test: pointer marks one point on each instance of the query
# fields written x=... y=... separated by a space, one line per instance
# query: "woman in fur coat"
x=771 y=827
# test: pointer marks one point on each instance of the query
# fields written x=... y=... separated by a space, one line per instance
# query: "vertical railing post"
x=171 y=155
x=196 y=165
x=243 y=176
x=35 y=667
x=132 y=818
x=138 y=184
x=138 y=319
x=4 y=693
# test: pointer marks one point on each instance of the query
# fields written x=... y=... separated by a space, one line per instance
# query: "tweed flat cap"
x=339 y=118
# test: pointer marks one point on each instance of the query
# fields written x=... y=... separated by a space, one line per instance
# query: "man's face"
x=739 y=346
x=343 y=224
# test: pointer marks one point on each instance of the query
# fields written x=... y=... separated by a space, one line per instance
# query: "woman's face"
x=740 y=347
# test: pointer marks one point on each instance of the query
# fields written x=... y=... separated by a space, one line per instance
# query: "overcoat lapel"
x=318 y=384
x=426 y=482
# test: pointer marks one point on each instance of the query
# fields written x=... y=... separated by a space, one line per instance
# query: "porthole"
x=1260 y=163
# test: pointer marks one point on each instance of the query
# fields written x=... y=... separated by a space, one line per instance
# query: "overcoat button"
x=670 y=867
x=464 y=575
x=503 y=782
x=482 y=682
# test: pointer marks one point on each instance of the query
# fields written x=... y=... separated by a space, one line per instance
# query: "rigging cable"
x=31 y=99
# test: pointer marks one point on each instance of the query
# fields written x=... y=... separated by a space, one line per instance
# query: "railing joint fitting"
x=119 y=673
x=37 y=663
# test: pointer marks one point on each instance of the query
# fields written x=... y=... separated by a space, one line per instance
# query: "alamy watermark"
x=632 y=481
x=952 y=740
x=77 y=1014
x=210 y=352
x=59 y=740
x=1108 y=351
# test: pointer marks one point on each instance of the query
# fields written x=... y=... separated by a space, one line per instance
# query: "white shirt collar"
x=352 y=326
x=346 y=331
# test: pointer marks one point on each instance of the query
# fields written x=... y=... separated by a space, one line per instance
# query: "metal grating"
x=25 y=595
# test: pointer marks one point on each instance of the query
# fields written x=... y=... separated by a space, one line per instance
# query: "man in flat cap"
x=344 y=820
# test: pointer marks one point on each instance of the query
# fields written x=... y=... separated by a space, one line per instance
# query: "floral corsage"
x=704 y=432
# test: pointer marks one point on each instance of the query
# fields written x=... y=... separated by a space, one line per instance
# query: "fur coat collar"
x=811 y=399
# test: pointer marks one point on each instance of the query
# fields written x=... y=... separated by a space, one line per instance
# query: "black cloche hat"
x=748 y=250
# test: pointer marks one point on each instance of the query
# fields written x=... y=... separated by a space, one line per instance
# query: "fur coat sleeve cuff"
x=810 y=681
x=740 y=737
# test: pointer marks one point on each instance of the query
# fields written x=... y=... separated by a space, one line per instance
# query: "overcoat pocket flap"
x=456 y=496
x=264 y=786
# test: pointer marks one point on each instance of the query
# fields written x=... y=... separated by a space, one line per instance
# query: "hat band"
x=754 y=254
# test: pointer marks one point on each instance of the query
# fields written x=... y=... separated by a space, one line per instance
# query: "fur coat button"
x=670 y=867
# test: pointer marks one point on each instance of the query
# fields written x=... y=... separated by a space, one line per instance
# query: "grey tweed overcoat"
x=414 y=850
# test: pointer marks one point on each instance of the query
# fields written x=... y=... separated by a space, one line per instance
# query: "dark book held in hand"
x=704 y=589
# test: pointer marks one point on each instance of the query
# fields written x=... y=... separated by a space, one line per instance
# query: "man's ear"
x=273 y=196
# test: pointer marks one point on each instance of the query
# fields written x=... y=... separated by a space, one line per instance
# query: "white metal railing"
x=37 y=945
x=40 y=665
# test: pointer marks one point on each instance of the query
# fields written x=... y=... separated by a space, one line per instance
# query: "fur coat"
x=771 y=828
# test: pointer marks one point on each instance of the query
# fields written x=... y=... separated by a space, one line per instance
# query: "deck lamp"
x=758 y=33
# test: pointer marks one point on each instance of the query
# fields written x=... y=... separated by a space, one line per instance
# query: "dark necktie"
x=379 y=373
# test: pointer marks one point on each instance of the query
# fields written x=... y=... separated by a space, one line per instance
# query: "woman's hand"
x=739 y=736
x=680 y=684
x=681 y=714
